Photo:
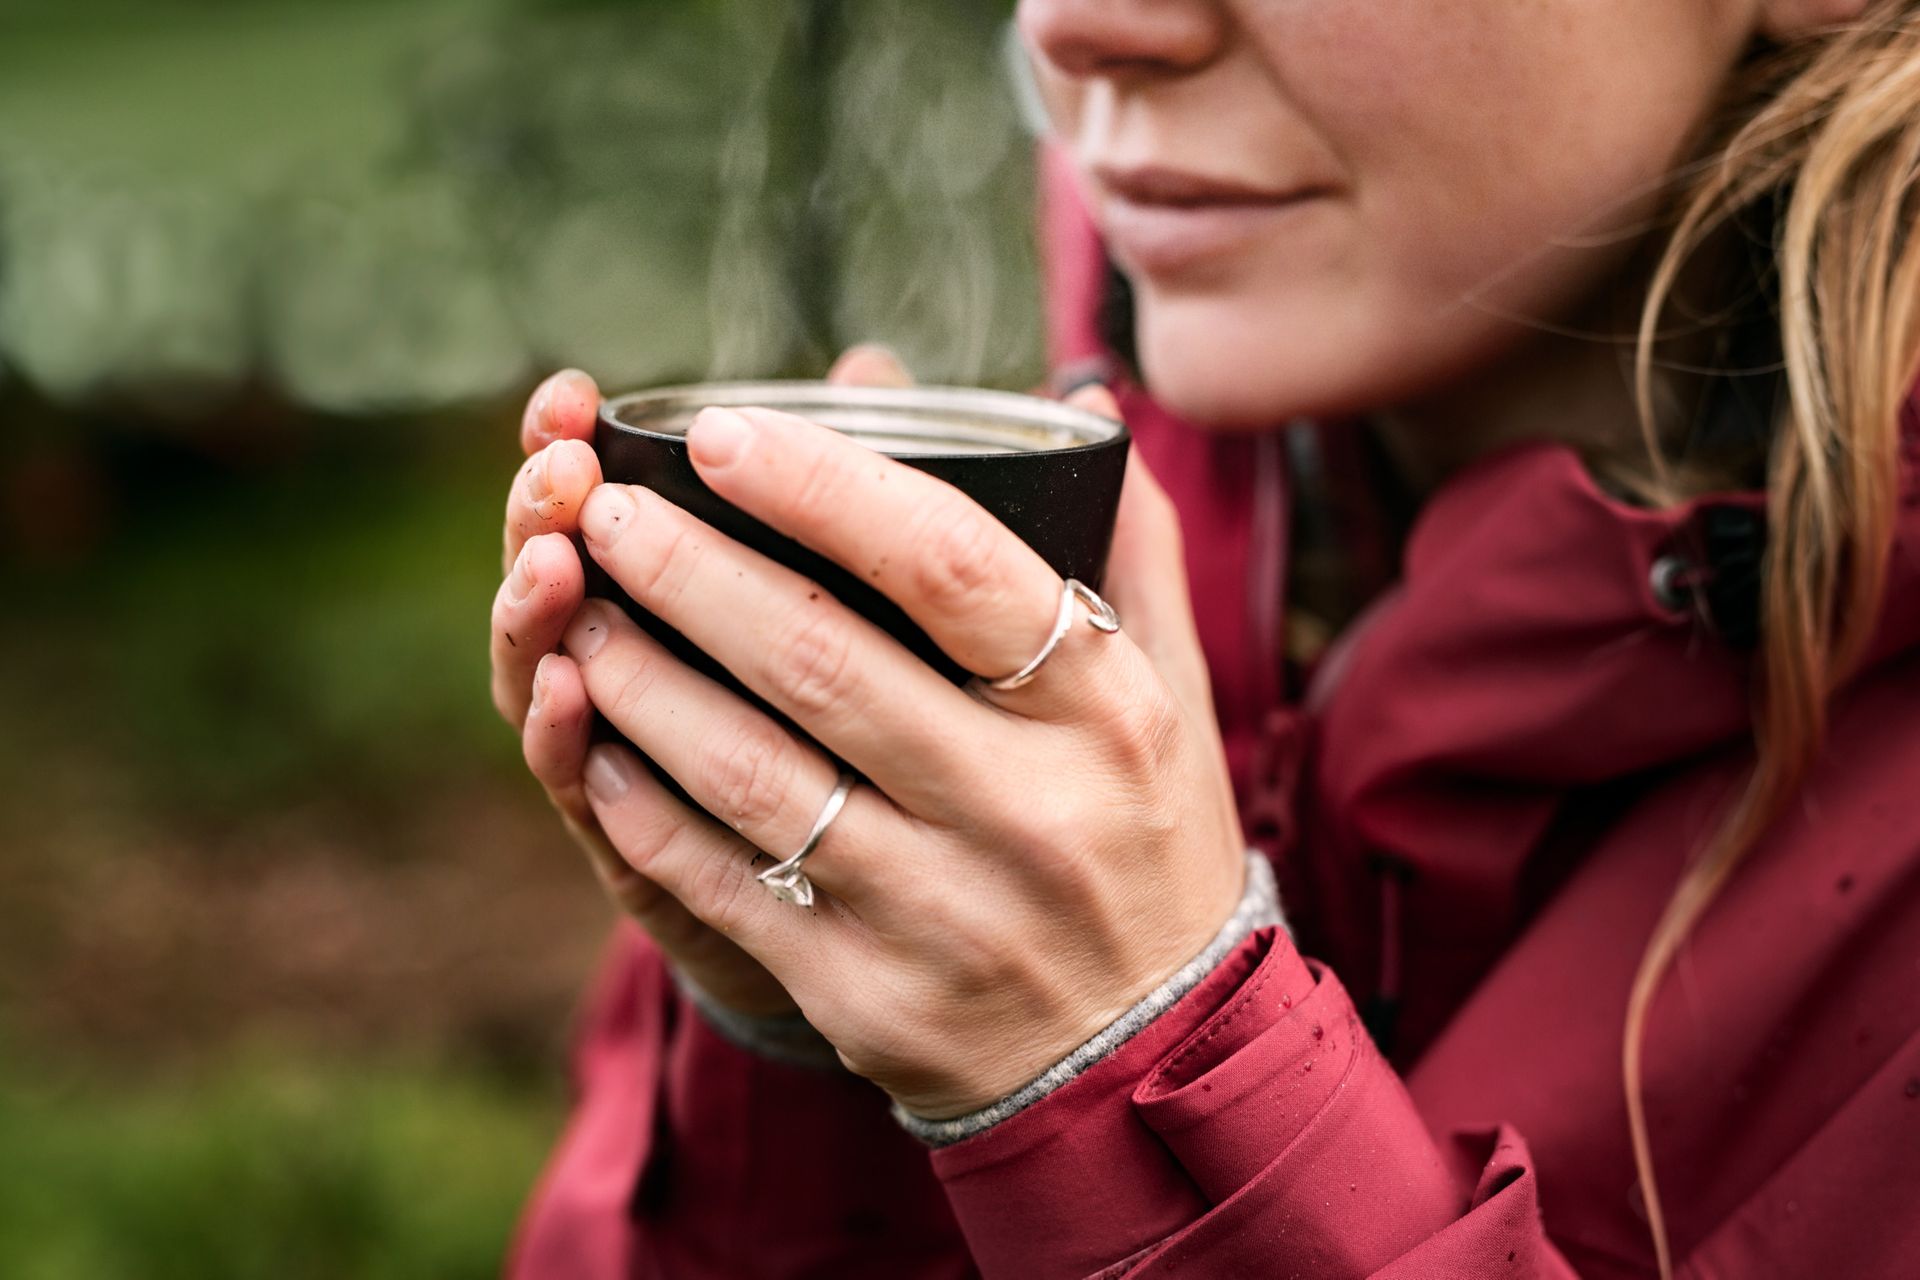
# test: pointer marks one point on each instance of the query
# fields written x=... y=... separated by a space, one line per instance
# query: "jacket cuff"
x=1259 y=908
x=1255 y=1111
x=1081 y=1180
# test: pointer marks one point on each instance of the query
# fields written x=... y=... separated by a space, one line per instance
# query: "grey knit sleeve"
x=787 y=1038
x=791 y=1039
x=1259 y=907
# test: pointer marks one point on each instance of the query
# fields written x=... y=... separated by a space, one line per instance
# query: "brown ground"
x=465 y=926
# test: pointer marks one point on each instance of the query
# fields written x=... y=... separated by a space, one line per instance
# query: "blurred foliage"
x=317 y=630
x=267 y=1168
x=274 y=277
x=370 y=207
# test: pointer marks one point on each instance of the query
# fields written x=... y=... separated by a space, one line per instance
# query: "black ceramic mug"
x=1049 y=472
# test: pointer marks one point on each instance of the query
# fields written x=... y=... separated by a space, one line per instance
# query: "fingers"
x=985 y=597
x=1147 y=585
x=555 y=740
x=846 y=682
x=707 y=869
x=543 y=587
x=869 y=365
x=547 y=493
x=737 y=763
x=561 y=408
x=555 y=735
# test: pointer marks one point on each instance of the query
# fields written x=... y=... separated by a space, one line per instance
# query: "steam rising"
x=911 y=223
x=655 y=193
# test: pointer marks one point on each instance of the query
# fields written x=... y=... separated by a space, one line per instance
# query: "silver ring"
x=1100 y=616
x=785 y=880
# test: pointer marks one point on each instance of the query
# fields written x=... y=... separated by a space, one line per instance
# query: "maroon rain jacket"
x=1480 y=807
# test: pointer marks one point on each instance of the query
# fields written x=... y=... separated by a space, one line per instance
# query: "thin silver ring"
x=1100 y=616
x=785 y=880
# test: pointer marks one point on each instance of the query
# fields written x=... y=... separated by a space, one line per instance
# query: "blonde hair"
x=1826 y=127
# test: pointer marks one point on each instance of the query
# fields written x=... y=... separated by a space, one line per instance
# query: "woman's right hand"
x=538 y=689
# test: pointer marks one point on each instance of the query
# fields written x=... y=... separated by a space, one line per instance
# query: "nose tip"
x=1084 y=38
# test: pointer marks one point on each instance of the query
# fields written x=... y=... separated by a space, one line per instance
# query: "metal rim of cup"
x=955 y=414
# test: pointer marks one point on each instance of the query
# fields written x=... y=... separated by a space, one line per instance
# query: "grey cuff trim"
x=1259 y=907
x=786 y=1037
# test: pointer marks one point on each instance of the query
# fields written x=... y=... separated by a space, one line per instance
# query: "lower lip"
x=1162 y=239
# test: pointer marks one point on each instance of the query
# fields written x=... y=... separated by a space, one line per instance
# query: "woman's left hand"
x=1016 y=868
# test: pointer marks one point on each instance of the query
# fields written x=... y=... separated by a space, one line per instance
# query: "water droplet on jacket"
x=1286 y=1001
x=1306 y=1068
x=1319 y=1031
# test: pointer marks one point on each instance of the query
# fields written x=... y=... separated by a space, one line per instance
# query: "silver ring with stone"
x=1100 y=616
x=785 y=880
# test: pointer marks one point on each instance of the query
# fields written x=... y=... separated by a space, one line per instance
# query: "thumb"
x=1146 y=579
x=870 y=365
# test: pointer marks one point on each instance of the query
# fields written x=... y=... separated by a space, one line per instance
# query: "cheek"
x=1499 y=155
x=1524 y=117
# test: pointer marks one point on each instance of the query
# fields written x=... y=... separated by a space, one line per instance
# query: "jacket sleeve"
x=688 y=1157
x=1251 y=1130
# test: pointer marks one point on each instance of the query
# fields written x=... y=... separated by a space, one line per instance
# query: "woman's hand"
x=1017 y=868
x=539 y=691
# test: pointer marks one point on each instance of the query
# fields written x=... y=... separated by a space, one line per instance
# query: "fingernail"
x=606 y=774
x=587 y=632
x=875 y=363
x=579 y=390
x=609 y=510
x=1095 y=397
x=539 y=483
x=717 y=436
x=539 y=687
x=520 y=581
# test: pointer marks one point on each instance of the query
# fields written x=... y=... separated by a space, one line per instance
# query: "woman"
x=1598 y=821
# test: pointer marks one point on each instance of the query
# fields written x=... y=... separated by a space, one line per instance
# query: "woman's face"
x=1329 y=206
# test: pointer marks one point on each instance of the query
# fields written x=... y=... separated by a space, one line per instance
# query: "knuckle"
x=1056 y=830
x=956 y=564
x=643 y=850
x=808 y=668
x=823 y=479
x=979 y=964
x=657 y=569
x=1143 y=732
x=716 y=890
x=745 y=772
x=627 y=692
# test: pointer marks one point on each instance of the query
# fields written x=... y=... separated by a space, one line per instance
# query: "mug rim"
x=932 y=403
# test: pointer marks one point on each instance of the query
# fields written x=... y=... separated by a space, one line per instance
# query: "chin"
x=1238 y=365
x=1238 y=369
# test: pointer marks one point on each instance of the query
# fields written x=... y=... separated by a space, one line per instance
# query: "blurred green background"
x=288 y=942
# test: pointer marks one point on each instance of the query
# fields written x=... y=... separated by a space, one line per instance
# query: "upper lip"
x=1157 y=184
